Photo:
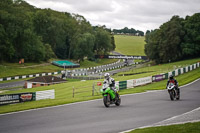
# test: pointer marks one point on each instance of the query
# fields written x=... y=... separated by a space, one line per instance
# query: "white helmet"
x=107 y=76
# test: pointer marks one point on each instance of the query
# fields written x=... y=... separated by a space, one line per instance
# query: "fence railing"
x=86 y=78
x=86 y=89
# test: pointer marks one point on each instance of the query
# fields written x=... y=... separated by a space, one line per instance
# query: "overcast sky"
x=116 y=14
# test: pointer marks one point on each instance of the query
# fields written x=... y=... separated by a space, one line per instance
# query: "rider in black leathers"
x=174 y=81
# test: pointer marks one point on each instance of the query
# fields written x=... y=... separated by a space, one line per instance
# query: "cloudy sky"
x=116 y=14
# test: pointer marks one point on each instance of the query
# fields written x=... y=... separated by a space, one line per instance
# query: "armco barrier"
x=122 y=85
x=178 y=71
x=29 y=76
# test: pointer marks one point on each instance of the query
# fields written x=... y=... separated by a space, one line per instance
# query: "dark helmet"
x=171 y=77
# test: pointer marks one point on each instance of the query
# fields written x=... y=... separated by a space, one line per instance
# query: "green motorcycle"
x=109 y=96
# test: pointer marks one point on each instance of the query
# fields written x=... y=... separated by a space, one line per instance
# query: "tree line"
x=130 y=31
x=177 y=39
x=40 y=34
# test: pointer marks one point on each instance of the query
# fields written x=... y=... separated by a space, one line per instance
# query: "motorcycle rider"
x=174 y=81
x=110 y=81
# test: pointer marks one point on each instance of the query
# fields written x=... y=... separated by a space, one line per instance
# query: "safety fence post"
x=73 y=91
x=93 y=90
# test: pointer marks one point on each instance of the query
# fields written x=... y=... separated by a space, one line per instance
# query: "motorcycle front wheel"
x=171 y=94
x=118 y=100
x=106 y=100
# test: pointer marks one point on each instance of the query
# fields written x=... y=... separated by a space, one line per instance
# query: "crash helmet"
x=107 y=76
x=171 y=77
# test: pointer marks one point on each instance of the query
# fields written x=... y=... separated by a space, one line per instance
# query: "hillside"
x=129 y=45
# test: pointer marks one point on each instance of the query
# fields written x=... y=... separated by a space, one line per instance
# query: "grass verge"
x=180 y=128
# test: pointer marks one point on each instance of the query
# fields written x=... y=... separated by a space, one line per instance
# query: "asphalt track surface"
x=11 y=84
x=136 y=110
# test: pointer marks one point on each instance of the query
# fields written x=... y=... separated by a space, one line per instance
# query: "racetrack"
x=136 y=110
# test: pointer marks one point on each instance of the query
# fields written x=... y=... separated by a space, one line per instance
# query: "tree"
x=84 y=47
x=151 y=46
x=191 y=44
x=113 y=43
x=39 y=34
x=171 y=36
x=131 y=31
x=49 y=52
x=102 y=41
x=164 y=44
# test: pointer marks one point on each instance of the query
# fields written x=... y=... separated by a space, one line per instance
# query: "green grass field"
x=63 y=92
x=14 y=69
x=180 y=128
x=129 y=45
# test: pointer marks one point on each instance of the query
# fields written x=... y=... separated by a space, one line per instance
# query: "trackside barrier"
x=29 y=76
x=17 y=98
x=130 y=84
x=142 y=81
x=126 y=84
x=28 y=96
x=122 y=85
x=176 y=72
x=47 y=94
x=160 y=77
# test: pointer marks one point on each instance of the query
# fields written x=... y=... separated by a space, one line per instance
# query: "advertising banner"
x=48 y=94
x=129 y=83
x=16 y=98
x=158 y=78
x=121 y=57
x=142 y=81
x=24 y=97
x=8 y=99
